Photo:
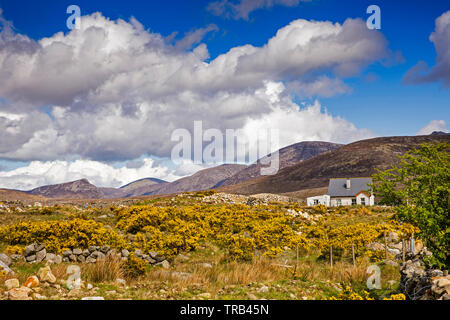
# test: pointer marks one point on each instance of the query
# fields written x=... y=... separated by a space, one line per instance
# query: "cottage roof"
x=338 y=187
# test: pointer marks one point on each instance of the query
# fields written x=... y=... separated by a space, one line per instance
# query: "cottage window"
x=339 y=202
x=354 y=202
x=363 y=201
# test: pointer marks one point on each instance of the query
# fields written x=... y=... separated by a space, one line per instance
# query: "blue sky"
x=377 y=98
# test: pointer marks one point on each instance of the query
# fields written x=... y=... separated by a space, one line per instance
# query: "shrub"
x=134 y=267
x=59 y=235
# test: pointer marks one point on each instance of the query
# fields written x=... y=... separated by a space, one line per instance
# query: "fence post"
x=353 y=254
x=331 y=256
x=413 y=249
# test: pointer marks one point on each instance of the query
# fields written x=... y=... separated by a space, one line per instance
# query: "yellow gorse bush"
x=241 y=229
x=60 y=235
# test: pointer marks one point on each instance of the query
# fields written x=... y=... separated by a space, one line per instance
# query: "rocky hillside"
x=358 y=159
x=202 y=180
x=288 y=156
x=80 y=189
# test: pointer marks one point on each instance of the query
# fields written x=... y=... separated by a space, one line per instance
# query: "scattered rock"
x=121 y=282
x=5 y=268
x=12 y=283
x=165 y=264
x=5 y=259
x=32 y=282
x=30 y=250
x=263 y=289
x=37 y=296
x=93 y=298
x=31 y=258
x=77 y=252
x=19 y=293
x=40 y=255
x=45 y=275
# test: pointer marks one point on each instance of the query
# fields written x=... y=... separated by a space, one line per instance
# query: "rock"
x=17 y=257
x=206 y=265
x=86 y=253
x=263 y=289
x=111 y=293
x=37 y=296
x=165 y=264
x=125 y=253
x=77 y=252
x=45 y=275
x=32 y=282
x=31 y=258
x=98 y=255
x=153 y=254
x=50 y=257
x=121 y=282
x=138 y=253
x=19 y=293
x=30 y=250
x=40 y=255
x=93 y=298
x=81 y=258
x=5 y=259
x=91 y=260
x=5 y=268
x=39 y=247
x=67 y=253
x=58 y=259
x=12 y=283
x=92 y=249
x=446 y=296
x=89 y=286
x=105 y=249
x=394 y=251
x=73 y=258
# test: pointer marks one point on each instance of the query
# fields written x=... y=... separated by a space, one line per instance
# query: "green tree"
x=419 y=188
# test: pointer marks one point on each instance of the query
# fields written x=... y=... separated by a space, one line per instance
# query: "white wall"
x=323 y=199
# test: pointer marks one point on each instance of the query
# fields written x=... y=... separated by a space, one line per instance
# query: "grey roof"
x=337 y=187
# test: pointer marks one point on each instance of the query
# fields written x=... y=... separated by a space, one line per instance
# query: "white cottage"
x=345 y=192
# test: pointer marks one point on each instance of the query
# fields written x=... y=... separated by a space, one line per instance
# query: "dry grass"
x=107 y=270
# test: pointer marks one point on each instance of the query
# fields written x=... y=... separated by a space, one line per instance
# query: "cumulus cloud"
x=115 y=91
x=421 y=73
x=241 y=9
x=434 y=125
x=39 y=173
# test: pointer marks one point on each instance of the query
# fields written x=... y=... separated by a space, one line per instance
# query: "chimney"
x=348 y=184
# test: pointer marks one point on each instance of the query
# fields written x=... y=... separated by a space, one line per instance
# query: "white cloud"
x=421 y=73
x=241 y=9
x=434 y=125
x=117 y=91
x=39 y=173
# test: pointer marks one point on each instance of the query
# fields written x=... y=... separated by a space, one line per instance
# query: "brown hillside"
x=358 y=159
